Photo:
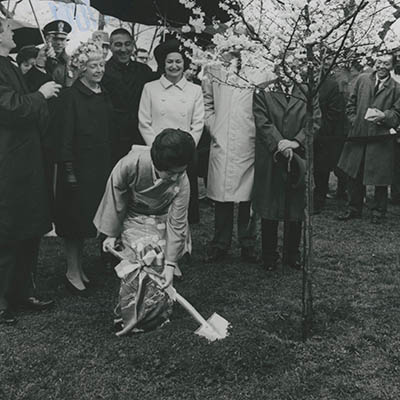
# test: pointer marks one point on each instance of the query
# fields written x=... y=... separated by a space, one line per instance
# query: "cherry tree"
x=306 y=39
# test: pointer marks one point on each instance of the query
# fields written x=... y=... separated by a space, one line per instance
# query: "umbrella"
x=25 y=34
x=158 y=12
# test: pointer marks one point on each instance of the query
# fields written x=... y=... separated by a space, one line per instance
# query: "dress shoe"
x=248 y=254
x=316 y=210
x=296 y=265
x=35 y=304
x=349 y=214
x=394 y=201
x=216 y=254
x=7 y=317
x=318 y=206
x=269 y=266
x=378 y=218
x=73 y=289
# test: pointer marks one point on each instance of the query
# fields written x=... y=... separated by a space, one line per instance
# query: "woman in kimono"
x=146 y=200
x=173 y=102
x=83 y=125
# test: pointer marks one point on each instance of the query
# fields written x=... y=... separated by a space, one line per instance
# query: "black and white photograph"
x=199 y=199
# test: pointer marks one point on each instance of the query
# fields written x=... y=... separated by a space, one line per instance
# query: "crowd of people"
x=100 y=145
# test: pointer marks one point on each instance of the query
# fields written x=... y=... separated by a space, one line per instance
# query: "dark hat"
x=26 y=53
x=169 y=46
x=57 y=27
x=297 y=172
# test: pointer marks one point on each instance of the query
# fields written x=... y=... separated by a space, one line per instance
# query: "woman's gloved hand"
x=168 y=276
x=69 y=175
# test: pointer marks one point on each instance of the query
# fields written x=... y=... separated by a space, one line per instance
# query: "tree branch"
x=360 y=7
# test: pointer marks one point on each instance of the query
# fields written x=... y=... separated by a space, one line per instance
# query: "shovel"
x=215 y=328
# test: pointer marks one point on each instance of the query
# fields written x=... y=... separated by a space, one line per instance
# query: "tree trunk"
x=307 y=314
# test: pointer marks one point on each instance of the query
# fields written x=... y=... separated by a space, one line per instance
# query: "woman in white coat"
x=229 y=117
x=173 y=102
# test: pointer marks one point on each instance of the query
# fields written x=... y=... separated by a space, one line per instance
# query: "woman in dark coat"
x=83 y=123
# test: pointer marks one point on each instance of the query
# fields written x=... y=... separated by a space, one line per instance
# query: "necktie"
x=377 y=85
x=287 y=93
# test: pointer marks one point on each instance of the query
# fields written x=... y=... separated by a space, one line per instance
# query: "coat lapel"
x=384 y=86
x=278 y=95
x=296 y=96
x=15 y=77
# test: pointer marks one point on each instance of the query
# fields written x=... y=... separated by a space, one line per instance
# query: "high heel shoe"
x=73 y=289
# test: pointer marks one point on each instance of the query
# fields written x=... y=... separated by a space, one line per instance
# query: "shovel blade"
x=216 y=328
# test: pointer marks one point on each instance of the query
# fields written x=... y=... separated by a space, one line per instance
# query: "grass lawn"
x=72 y=353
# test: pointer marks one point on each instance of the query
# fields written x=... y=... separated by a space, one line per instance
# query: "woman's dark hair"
x=170 y=46
x=172 y=148
x=26 y=53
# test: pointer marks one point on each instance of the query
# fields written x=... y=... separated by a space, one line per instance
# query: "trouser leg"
x=291 y=241
x=22 y=287
x=193 y=211
x=341 y=189
x=395 y=187
x=380 y=199
x=356 y=191
x=247 y=225
x=395 y=192
x=223 y=224
x=8 y=257
x=321 y=180
x=269 y=241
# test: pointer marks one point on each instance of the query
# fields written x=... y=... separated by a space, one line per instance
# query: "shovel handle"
x=190 y=309
x=114 y=252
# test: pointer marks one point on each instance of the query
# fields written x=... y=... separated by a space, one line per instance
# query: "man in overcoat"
x=280 y=117
x=369 y=158
x=228 y=116
x=326 y=150
x=395 y=187
x=24 y=210
x=124 y=80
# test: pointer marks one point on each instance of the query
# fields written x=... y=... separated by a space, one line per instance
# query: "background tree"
x=296 y=35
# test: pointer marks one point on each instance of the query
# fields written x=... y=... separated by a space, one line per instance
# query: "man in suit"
x=24 y=211
x=124 y=79
x=369 y=159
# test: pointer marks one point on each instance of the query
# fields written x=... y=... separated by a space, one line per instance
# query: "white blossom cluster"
x=270 y=32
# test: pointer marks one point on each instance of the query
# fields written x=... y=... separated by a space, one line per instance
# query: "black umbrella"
x=25 y=34
x=159 y=12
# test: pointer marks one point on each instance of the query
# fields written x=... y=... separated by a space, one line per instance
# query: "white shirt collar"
x=381 y=81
